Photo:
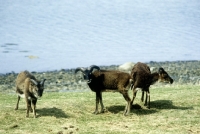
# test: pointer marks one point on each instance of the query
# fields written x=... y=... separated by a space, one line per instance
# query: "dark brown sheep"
x=143 y=78
x=105 y=80
x=30 y=88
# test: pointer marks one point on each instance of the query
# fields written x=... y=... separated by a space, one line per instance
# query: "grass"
x=174 y=109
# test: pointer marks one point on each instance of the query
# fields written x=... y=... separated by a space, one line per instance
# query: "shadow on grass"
x=58 y=113
x=166 y=104
x=135 y=109
x=116 y=109
x=155 y=107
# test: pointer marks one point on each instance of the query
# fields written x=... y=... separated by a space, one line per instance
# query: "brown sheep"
x=143 y=78
x=30 y=88
x=105 y=80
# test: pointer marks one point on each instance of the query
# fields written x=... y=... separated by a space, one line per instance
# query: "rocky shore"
x=183 y=72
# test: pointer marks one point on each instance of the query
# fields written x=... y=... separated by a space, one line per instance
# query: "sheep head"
x=37 y=87
x=87 y=72
x=164 y=77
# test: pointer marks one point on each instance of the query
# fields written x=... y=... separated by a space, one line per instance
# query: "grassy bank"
x=174 y=109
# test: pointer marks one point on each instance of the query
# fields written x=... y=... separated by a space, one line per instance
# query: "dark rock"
x=183 y=72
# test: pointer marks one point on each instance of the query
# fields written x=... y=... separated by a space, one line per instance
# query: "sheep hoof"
x=95 y=112
x=16 y=108
x=103 y=110
x=125 y=113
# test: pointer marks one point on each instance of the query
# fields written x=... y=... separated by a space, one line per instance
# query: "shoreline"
x=63 y=80
x=104 y=66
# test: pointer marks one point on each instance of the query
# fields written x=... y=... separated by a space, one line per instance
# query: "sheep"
x=107 y=80
x=28 y=87
x=143 y=78
x=126 y=67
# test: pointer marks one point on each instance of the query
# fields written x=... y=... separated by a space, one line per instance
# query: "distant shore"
x=183 y=72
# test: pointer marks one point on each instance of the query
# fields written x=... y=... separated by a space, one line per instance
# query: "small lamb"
x=28 y=87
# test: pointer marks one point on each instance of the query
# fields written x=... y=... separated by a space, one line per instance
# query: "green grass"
x=174 y=109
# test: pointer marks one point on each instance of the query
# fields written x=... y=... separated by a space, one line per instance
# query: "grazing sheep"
x=143 y=78
x=30 y=88
x=105 y=80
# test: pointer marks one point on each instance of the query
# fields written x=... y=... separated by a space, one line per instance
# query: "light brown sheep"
x=30 y=88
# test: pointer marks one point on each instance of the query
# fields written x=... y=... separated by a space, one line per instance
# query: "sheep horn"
x=83 y=70
x=93 y=67
x=34 y=81
x=42 y=82
x=80 y=69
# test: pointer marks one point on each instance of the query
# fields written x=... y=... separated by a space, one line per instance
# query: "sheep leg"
x=147 y=100
x=128 y=106
x=145 y=103
x=18 y=98
x=28 y=106
x=142 y=98
x=98 y=98
x=134 y=95
x=33 y=104
x=101 y=102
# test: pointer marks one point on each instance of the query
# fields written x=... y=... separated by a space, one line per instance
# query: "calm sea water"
x=47 y=35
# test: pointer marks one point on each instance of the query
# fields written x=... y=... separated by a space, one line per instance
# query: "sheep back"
x=23 y=81
x=109 y=80
x=141 y=75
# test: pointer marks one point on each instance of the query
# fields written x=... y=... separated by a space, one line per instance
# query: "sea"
x=47 y=35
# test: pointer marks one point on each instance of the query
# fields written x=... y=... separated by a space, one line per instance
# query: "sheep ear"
x=83 y=71
x=35 y=82
x=42 y=82
x=160 y=70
